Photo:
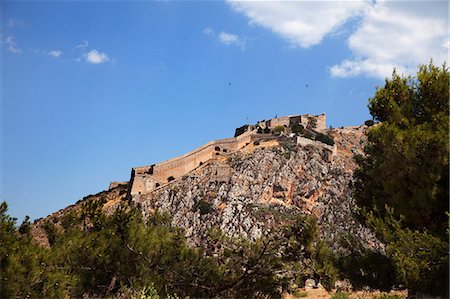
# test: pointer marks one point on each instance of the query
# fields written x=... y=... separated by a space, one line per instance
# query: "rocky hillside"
x=112 y=199
x=261 y=186
x=264 y=185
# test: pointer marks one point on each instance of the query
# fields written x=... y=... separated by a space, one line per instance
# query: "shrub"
x=70 y=219
x=266 y=130
x=51 y=231
x=256 y=143
x=327 y=139
x=298 y=294
x=369 y=123
x=203 y=206
x=278 y=129
x=297 y=128
x=309 y=135
x=340 y=295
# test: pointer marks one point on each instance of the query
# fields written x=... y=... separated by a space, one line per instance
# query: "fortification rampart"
x=144 y=179
x=147 y=178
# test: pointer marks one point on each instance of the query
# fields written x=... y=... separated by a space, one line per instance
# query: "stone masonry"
x=145 y=179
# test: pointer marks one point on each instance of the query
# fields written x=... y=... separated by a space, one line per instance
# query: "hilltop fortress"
x=145 y=179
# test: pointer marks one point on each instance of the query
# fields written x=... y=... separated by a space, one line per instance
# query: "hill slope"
x=255 y=189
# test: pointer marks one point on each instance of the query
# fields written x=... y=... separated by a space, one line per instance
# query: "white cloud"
x=96 y=57
x=55 y=53
x=11 y=45
x=208 y=31
x=303 y=23
x=401 y=35
x=389 y=34
x=84 y=44
x=228 y=38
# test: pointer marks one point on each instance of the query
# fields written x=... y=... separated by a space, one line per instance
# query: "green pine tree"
x=403 y=180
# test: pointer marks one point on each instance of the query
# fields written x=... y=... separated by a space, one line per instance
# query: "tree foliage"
x=403 y=180
x=21 y=261
x=96 y=255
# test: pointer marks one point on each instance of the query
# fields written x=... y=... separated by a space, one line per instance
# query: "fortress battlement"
x=145 y=179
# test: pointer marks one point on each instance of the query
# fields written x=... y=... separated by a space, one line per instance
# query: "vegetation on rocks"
x=327 y=139
x=297 y=128
x=279 y=129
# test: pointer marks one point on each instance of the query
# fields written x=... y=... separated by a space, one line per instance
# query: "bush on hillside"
x=203 y=207
x=297 y=129
x=309 y=135
x=369 y=123
x=278 y=129
x=327 y=139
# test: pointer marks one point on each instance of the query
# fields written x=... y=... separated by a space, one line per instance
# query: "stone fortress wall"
x=288 y=121
x=147 y=178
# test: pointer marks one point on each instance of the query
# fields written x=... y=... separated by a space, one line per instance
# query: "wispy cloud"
x=83 y=45
x=226 y=38
x=11 y=45
x=388 y=34
x=96 y=57
x=208 y=31
x=229 y=38
x=14 y=23
x=55 y=53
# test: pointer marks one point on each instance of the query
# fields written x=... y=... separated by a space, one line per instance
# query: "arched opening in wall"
x=217 y=149
x=225 y=150
x=170 y=179
x=157 y=185
x=217 y=154
x=200 y=164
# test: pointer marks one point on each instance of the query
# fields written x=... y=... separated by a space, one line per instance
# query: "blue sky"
x=91 y=89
